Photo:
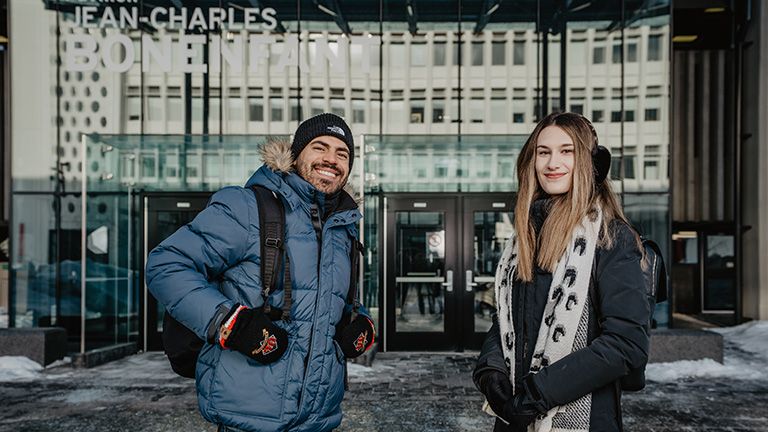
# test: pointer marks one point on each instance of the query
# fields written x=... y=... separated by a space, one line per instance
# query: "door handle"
x=448 y=284
x=468 y=283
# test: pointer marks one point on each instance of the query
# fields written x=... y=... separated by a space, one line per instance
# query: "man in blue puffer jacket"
x=255 y=374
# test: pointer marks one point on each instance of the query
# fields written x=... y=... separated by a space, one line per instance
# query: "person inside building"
x=258 y=372
x=558 y=348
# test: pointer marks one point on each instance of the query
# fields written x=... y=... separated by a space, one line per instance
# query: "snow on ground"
x=751 y=337
x=13 y=368
x=360 y=373
x=745 y=358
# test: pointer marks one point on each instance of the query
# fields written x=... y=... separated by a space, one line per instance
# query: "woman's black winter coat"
x=617 y=343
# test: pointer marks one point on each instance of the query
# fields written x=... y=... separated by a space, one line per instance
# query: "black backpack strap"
x=356 y=251
x=272 y=234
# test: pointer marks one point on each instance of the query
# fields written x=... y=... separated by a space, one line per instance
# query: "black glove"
x=518 y=413
x=527 y=404
x=252 y=333
x=496 y=388
x=356 y=337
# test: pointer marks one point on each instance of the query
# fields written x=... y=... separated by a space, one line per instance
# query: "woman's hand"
x=497 y=390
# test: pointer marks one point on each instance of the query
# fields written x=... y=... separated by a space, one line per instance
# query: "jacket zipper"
x=317 y=224
x=524 y=326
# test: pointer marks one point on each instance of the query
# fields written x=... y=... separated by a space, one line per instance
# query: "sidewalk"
x=403 y=392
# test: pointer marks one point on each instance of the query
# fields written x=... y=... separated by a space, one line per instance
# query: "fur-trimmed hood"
x=276 y=154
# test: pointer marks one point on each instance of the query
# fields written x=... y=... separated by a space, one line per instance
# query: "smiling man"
x=260 y=371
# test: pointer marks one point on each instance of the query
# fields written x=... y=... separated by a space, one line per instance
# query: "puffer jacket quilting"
x=213 y=263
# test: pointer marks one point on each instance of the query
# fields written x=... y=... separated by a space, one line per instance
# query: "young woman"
x=547 y=363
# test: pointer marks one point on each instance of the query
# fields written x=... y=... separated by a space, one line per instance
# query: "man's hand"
x=252 y=333
x=497 y=390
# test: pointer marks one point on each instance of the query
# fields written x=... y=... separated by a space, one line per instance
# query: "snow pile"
x=751 y=337
x=14 y=368
x=745 y=358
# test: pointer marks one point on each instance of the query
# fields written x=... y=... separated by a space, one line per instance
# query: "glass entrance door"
x=421 y=273
x=164 y=214
x=440 y=261
x=487 y=224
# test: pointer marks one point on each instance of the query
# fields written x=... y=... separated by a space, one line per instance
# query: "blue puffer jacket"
x=207 y=266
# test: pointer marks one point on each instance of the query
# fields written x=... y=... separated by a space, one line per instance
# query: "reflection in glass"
x=419 y=271
x=492 y=230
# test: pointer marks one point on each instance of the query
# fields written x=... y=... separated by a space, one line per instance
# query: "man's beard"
x=326 y=186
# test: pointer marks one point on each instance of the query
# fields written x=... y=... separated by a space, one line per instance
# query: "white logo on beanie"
x=337 y=130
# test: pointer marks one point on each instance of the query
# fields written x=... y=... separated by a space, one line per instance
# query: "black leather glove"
x=252 y=333
x=356 y=337
x=527 y=404
x=518 y=413
x=496 y=388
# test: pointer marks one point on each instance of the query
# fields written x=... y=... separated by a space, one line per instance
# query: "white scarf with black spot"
x=564 y=324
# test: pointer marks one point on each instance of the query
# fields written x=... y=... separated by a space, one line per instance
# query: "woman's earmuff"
x=601 y=157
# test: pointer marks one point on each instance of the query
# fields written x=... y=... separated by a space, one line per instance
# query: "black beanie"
x=319 y=125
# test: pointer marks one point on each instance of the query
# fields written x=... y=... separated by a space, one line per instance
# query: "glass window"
x=651 y=170
x=337 y=107
x=616 y=53
x=255 y=110
x=295 y=110
x=317 y=106
x=276 y=109
x=417 y=111
x=418 y=54
x=629 y=167
x=632 y=52
x=654 y=47
x=652 y=108
x=133 y=107
x=498 y=53
x=518 y=53
x=456 y=53
x=476 y=110
x=477 y=53
x=598 y=55
x=630 y=107
x=518 y=117
x=577 y=107
x=358 y=111
x=438 y=110
x=651 y=114
x=454 y=113
x=438 y=52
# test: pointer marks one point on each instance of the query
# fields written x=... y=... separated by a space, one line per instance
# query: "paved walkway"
x=401 y=393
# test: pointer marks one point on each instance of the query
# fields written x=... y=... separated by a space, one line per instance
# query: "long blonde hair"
x=566 y=210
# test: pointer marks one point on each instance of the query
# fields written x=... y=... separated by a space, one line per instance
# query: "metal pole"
x=738 y=65
x=83 y=237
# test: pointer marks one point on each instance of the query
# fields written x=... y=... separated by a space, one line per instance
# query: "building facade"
x=125 y=117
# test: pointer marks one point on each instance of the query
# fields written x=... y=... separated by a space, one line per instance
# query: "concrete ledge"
x=104 y=355
x=682 y=344
x=43 y=345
